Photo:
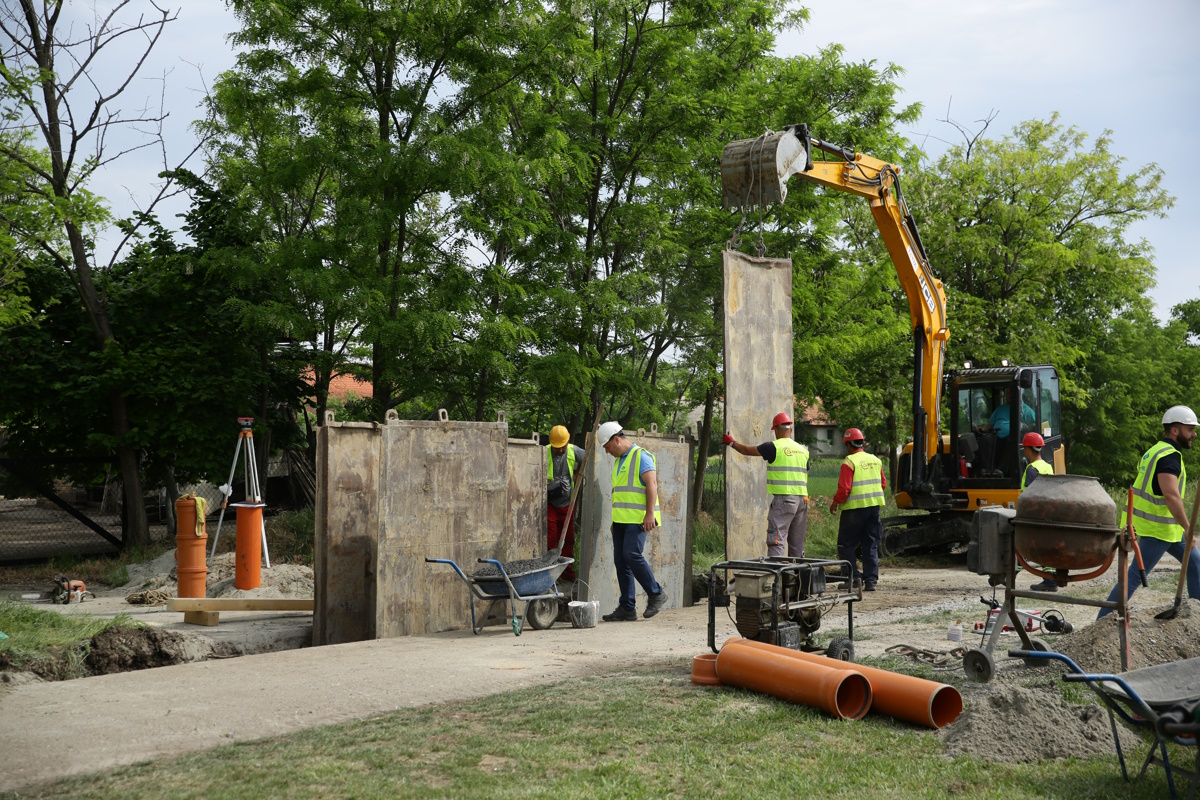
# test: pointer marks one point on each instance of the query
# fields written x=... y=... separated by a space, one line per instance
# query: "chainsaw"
x=67 y=591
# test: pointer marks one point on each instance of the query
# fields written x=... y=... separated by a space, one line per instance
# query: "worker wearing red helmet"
x=787 y=486
x=1033 y=442
x=860 y=494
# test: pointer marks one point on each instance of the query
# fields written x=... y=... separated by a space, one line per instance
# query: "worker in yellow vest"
x=1033 y=443
x=787 y=486
x=635 y=512
x=1159 y=517
x=562 y=473
x=861 y=484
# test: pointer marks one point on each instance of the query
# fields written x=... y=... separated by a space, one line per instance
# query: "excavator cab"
x=990 y=412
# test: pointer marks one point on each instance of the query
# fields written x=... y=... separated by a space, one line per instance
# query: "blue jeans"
x=861 y=527
x=1152 y=551
x=628 y=542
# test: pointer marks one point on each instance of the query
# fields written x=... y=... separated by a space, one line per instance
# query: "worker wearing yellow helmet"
x=564 y=466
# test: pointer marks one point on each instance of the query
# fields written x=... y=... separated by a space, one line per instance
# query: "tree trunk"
x=702 y=450
x=892 y=435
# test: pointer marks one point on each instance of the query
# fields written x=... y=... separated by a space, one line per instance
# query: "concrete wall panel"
x=347 y=526
x=525 y=527
x=758 y=385
x=667 y=548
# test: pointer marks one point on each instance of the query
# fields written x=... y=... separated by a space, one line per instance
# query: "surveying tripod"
x=244 y=449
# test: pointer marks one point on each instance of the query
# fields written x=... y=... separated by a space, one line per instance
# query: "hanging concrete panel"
x=445 y=496
x=347 y=525
x=525 y=528
x=668 y=548
x=758 y=385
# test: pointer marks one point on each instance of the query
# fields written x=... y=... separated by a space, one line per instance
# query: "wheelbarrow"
x=1163 y=700
x=531 y=585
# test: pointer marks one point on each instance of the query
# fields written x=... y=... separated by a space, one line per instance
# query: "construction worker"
x=787 y=485
x=1033 y=442
x=1159 y=518
x=860 y=495
x=635 y=512
x=561 y=476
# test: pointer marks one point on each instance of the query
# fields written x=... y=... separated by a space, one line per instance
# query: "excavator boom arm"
x=756 y=171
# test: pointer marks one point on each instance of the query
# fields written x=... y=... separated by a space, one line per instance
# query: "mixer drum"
x=1065 y=522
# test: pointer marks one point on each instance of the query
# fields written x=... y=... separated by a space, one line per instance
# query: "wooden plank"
x=239 y=604
x=758 y=385
x=206 y=618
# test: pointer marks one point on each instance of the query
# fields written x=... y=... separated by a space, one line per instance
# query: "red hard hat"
x=853 y=435
x=781 y=418
x=1033 y=439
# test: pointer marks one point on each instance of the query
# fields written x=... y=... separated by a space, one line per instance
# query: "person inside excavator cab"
x=993 y=436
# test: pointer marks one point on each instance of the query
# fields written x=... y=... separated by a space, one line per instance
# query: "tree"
x=67 y=107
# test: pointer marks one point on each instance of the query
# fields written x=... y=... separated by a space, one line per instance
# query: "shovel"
x=1173 y=611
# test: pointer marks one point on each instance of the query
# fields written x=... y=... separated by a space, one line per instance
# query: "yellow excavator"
x=978 y=462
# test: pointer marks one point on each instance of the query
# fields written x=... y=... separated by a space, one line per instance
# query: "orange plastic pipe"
x=191 y=571
x=915 y=700
x=844 y=693
x=247 y=572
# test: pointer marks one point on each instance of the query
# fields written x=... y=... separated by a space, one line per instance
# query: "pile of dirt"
x=1016 y=724
x=279 y=580
x=123 y=649
x=1096 y=648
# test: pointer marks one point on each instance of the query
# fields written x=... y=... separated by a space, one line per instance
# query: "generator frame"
x=778 y=566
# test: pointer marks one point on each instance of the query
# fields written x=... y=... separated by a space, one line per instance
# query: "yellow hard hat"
x=559 y=436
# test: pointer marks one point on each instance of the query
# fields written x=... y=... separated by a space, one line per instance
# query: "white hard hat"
x=1179 y=414
x=606 y=432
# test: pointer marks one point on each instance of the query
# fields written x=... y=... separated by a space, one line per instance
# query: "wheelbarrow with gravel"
x=531 y=582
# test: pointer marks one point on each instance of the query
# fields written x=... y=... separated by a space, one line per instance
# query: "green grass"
x=102 y=570
x=645 y=734
x=37 y=635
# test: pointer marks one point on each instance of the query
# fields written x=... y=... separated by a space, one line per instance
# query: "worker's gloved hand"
x=727 y=439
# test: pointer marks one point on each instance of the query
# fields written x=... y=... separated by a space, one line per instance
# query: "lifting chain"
x=760 y=247
x=925 y=656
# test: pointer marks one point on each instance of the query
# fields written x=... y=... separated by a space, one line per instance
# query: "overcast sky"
x=1101 y=64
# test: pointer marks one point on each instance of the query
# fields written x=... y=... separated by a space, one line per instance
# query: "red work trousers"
x=555 y=519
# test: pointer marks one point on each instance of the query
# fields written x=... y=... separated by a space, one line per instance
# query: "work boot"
x=870 y=587
x=620 y=614
x=1044 y=586
x=654 y=604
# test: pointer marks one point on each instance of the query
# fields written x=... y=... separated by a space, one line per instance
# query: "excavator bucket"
x=755 y=172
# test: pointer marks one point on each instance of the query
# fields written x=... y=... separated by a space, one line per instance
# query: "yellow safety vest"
x=628 y=491
x=1151 y=516
x=788 y=473
x=550 y=462
x=867 y=488
x=1041 y=466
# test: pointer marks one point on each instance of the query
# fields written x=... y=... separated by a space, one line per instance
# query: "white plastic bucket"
x=584 y=613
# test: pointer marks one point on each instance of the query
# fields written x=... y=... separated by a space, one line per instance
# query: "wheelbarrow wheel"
x=542 y=613
x=979 y=665
x=1038 y=644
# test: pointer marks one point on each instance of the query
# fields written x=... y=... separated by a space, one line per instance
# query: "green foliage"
x=38 y=635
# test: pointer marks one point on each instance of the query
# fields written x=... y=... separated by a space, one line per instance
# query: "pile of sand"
x=280 y=580
x=1015 y=724
x=1096 y=648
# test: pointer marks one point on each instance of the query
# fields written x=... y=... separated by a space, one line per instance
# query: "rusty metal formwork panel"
x=758 y=385
x=525 y=526
x=445 y=496
x=668 y=548
x=347 y=525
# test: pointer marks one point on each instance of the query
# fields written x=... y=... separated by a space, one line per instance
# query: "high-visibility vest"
x=628 y=491
x=788 y=473
x=1041 y=467
x=1150 y=513
x=867 y=488
x=550 y=462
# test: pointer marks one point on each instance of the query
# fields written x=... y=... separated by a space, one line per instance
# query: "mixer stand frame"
x=978 y=662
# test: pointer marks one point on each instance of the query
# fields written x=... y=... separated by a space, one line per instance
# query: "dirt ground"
x=282 y=685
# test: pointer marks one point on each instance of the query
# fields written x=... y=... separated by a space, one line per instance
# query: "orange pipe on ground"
x=844 y=693
x=915 y=700
x=247 y=572
x=191 y=570
x=704 y=670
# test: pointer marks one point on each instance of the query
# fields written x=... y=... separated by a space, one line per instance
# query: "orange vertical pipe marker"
x=842 y=692
x=247 y=573
x=915 y=700
x=191 y=571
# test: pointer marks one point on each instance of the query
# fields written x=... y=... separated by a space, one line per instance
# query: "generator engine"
x=791 y=625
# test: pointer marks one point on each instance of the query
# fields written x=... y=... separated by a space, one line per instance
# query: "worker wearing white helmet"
x=635 y=512
x=1159 y=517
